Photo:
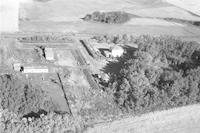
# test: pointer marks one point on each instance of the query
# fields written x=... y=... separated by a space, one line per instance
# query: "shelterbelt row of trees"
x=164 y=72
x=117 y=17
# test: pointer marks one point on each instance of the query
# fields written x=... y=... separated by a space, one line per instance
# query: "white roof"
x=117 y=51
x=117 y=47
x=49 y=53
x=36 y=69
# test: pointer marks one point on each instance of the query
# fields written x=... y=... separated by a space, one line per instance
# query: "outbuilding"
x=49 y=54
x=117 y=51
x=35 y=69
x=17 y=67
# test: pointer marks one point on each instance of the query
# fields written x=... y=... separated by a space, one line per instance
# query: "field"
x=180 y=120
x=67 y=18
x=71 y=10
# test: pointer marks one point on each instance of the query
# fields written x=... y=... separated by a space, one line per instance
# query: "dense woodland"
x=164 y=72
x=108 y=17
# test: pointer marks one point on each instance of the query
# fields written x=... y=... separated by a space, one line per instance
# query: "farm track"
x=90 y=79
x=80 y=58
x=50 y=45
x=79 y=35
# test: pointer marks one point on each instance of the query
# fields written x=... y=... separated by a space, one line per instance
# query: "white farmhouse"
x=117 y=51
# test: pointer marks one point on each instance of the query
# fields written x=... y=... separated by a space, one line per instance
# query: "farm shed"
x=49 y=53
x=117 y=51
x=36 y=69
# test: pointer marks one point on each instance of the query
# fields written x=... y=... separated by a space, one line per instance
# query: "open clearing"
x=97 y=28
x=180 y=120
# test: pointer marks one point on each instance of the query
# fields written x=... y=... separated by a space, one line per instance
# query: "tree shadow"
x=62 y=112
x=114 y=67
x=35 y=115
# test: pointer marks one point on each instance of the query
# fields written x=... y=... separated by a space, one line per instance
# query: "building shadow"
x=34 y=114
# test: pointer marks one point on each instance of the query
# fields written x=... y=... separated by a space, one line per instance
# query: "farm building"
x=117 y=51
x=17 y=67
x=35 y=69
x=49 y=53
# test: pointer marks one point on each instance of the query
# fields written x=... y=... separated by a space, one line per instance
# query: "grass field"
x=179 y=120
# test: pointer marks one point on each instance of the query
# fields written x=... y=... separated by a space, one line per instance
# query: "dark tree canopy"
x=164 y=72
x=116 y=17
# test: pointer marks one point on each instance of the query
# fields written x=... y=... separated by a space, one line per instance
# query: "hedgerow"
x=115 y=17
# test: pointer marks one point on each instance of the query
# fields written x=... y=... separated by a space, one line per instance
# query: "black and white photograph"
x=99 y=66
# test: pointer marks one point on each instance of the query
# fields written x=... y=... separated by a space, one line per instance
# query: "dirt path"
x=180 y=120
